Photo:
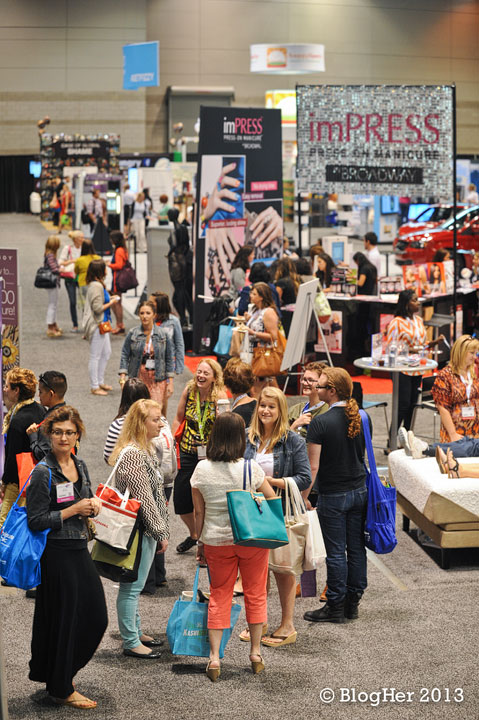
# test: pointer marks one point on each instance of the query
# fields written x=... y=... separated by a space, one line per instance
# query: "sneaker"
x=418 y=447
x=186 y=545
x=403 y=440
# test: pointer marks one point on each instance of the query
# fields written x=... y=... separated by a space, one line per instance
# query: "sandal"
x=244 y=634
x=76 y=700
x=257 y=666
x=441 y=460
x=213 y=672
x=270 y=640
x=98 y=391
x=452 y=470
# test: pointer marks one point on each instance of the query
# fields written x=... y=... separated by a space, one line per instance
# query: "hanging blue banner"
x=141 y=65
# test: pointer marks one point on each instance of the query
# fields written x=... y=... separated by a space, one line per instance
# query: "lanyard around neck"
x=201 y=418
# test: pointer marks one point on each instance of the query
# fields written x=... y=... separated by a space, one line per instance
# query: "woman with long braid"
x=336 y=453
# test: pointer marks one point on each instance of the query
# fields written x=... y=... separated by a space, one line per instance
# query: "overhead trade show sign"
x=240 y=193
x=81 y=148
x=378 y=139
x=141 y=65
x=287 y=58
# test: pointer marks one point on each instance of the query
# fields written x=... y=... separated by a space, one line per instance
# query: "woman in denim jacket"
x=282 y=455
x=147 y=354
x=171 y=325
x=70 y=610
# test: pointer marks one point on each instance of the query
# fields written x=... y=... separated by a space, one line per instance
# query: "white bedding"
x=417 y=479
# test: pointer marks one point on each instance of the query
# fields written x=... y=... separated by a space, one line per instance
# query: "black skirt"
x=70 y=616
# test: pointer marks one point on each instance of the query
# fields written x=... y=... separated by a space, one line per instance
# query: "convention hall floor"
x=416 y=628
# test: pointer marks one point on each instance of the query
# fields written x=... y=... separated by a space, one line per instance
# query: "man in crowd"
x=372 y=252
x=52 y=386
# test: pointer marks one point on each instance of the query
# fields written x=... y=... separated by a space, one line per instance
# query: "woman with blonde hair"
x=196 y=412
x=456 y=392
x=68 y=256
x=138 y=222
x=336 y=453
x=282 y=456
x=139 y=470
x=50 y=260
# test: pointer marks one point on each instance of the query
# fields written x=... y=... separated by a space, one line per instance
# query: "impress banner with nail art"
x=240 y=201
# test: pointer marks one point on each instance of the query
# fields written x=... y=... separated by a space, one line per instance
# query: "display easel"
x=295 y=351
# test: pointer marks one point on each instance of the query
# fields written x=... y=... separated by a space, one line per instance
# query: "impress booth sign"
x=378 y=139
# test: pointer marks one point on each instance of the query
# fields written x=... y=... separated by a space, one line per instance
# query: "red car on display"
x=429 y=218
x=420 y=246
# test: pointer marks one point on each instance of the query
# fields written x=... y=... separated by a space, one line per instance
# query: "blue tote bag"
x=225 y=333
x=21 y=548
x=187 y=629
x=255 y=520
x=380 y=526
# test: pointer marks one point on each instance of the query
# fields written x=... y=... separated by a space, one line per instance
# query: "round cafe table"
x=367 y=363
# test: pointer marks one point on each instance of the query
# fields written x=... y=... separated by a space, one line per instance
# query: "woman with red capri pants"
x=222 y=471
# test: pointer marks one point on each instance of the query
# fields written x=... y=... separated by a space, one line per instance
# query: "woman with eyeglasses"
x=301 y=414
x=456 y=392
x=70 y=610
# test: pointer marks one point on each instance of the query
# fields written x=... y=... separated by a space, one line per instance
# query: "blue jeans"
x=128 y=596
x=342 y=517
x=467 y=447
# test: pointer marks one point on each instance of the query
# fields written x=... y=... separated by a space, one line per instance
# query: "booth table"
x=367 y=363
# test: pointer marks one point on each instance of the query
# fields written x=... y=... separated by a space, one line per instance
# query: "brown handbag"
x=105 y=327
x=267 y=359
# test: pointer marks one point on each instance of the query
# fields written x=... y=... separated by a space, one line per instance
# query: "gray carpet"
x=421 y=637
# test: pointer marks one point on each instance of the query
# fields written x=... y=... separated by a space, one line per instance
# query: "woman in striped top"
x=408 y=328
x=139 y=470
x=133 y=390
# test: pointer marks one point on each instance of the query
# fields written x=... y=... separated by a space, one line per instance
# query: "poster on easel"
x=333 y=334
x=239 y=196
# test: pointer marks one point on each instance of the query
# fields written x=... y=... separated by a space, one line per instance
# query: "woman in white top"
x=222 y=471
x=262 y=325
x=69 y=254
x=138 y=221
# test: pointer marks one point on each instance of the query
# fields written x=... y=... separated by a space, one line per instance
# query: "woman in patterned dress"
x=197 y=409
x=407 y=328
x=456 y=392
x=263 y=327
x=139 y=470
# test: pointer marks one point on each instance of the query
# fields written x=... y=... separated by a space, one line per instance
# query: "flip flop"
x=440 y=461
x=244 y=634
x=270 y=640
x=81 y=702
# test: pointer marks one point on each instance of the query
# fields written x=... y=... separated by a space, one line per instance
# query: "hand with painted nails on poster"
x=220 y=252
x=266 y=227
x=218 y=198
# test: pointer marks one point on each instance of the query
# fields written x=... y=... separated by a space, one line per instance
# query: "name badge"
x=201 y=452
x=150 y=364
x=468 y=411
x=65 y=492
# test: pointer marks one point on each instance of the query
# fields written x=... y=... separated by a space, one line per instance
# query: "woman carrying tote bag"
x=212 y=479
x=282 y=456
x=139 y=470
x=70 y=610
